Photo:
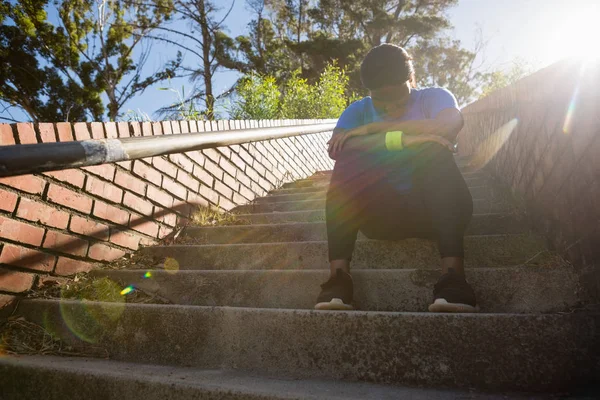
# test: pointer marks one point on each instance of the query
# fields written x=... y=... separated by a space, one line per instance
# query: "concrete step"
x=480 y=206
x=480 y=252
x=499 y=290
x=488 y=351
x=481 y=224
x=477 y=192
x=306 y=185
x=60 y=378
x=322 y=180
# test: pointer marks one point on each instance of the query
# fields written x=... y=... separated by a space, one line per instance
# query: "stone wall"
x=541 y=137
x=64 y=222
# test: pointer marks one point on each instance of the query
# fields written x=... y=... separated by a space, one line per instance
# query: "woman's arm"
x=446 y=124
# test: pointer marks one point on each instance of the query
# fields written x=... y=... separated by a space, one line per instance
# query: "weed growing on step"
x=21 y=337
x=210 y=217
x=92 y=288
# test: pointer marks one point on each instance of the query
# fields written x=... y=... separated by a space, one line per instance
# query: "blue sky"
x=538 y=32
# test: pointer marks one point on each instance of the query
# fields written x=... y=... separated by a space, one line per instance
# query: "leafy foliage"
x=89 y=52
x=258 y=97
x=501 y=79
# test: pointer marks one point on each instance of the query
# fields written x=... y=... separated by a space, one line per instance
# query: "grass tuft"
x=210 y=217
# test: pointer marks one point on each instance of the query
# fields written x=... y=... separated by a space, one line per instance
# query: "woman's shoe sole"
x=442 y=306
x=334 y=304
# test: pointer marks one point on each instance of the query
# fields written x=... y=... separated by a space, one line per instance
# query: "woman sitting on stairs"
x=395 y=177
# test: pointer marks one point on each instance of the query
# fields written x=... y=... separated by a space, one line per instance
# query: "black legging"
x=418 y=192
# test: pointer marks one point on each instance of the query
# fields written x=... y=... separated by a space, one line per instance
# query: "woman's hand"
x=336 y=143
x=414 y=140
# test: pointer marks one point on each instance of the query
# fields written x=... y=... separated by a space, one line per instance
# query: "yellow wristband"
x=393 y=141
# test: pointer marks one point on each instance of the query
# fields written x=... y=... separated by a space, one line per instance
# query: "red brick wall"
x=60 y=223
x=548 y=159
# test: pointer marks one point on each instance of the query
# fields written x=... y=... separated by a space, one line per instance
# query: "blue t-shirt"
x=423 y=104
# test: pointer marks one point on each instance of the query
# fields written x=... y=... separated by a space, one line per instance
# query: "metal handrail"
x=44 y=157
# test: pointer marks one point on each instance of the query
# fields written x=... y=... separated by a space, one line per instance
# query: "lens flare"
x=148 y=274
x=127 y=290
x=93 y=311
x=171 y=265
x=488 y=148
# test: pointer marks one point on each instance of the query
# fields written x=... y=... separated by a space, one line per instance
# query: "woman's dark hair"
x=385 y=65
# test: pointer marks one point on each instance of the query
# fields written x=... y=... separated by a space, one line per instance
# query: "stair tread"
x=62 y=377
x=481 y=251
x=497 y=289
x=502 y=351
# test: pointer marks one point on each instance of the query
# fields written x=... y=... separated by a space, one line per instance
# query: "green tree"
x=200 y=33
x=96 y=48
x=500 y=79
x=257 y=98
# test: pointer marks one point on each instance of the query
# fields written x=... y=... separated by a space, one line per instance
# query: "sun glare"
x=576 y=31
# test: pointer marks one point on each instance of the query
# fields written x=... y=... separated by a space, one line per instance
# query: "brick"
x=68 y=266
x=26 y=133
x=110 y=213
x=168 y=218
x=247 y=193
x=188 y=181
x=130 y=182
x=39 y=212
x=182 y=207
x=225 y=204
x=8 y=201
x=149 y=228
x=105 y=190
x=111 y=130
x=27 y=183
x=89 y=228
x=73 y=177
x=138 y=204
x=81 y=131
x=238 y=199
x=47 y=133
x=7 y=137
x=232 y=183
x=228 y=167
x=125 y=164
x=146 y=129
x=15 y=282
x=164 y=232
x=209 y=194
x=27 y=258
x=174 y=188
x=184 y=127
x=124 y=239
x=164 y=166
x=123 y=129
x=148 y=173
x=157 y=129
x=213 y=169
x=223 y=189
x=166 y=128
x=101 y=252
x=182 y=161
x=65 y=132
x=97 y=129
x=213 y=154
x=70 y=199
x=6 y=301
x=135 y=129
x=243 y=179
x=196 y=201
x=105 y=171
x=20 y=232
x=68 y=244
x=203 y=176
x=196 y=156
x=159 y=197
x=175 y=128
